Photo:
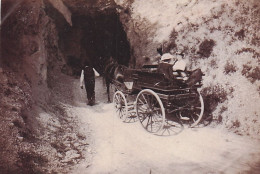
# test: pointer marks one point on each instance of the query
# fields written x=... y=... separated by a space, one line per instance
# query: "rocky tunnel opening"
x=37 y=44
x=92 y=39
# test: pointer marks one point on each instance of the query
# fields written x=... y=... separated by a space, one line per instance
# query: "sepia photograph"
x=130 y=87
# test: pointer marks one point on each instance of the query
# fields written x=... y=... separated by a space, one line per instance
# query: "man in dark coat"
x=88 y=75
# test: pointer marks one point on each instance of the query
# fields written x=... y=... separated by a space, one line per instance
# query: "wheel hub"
x=118 y=106
x=149 y=111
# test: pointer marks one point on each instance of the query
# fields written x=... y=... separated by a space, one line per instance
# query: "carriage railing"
x=157 y=80
x=149 y=78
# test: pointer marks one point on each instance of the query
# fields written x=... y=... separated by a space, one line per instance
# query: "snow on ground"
x=117 y=147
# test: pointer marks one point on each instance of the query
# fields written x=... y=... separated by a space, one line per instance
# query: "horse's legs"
x=108 y=92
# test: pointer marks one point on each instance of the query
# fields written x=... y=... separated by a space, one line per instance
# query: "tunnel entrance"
x=93 y=39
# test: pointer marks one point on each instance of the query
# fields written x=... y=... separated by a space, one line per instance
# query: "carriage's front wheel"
x=120 y=105
x=150 y=110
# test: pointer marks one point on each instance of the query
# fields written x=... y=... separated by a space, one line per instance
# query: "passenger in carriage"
x=173 y=65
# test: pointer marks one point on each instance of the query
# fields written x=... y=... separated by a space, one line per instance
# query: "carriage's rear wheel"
x=194 y=111
x=150 y=110
x=120 y=105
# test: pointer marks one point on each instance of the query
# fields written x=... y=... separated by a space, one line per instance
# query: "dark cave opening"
x=37 y=36
x=92 y=39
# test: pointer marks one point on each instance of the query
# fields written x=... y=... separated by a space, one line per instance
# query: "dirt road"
x=126 y=148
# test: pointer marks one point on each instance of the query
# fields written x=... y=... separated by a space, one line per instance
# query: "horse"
x=112 y=71
x=107 y=75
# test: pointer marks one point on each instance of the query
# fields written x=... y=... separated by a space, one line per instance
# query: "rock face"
x=63 y=9
x=28 y=51
x=220 y=37
x=39 y=39
x=29 y=37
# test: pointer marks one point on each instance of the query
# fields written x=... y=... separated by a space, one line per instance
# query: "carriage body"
x=135 y=80
x=170 y=100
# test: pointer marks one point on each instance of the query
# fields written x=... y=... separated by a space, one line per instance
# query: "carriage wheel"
x=194 y=111
x=120 y=105
x=150 y=110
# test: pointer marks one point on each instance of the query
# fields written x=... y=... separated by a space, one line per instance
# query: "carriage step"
x=184 y=118
x=131 y=104
x=131 y=107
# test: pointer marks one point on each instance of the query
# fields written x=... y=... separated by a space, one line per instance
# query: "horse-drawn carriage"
x=162 y=105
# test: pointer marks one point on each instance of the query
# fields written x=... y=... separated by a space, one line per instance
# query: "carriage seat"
x=181 y=78
x=124 y=74
x=166 y=70
x=194 y=77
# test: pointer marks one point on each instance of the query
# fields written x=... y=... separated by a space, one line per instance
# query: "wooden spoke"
x=150 y=110
x=120 y=105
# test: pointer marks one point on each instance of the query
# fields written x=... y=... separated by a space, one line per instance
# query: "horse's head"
x=109 y=68
x=119 y=73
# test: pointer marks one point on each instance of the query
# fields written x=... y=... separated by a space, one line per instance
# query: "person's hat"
x=167 y=56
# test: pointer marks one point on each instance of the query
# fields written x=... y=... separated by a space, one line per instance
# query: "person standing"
x=88 y=74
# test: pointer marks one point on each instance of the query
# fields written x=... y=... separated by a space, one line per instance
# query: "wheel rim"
x=194 y=110
x=170 y=128
x=150 y=111
x=120 y=105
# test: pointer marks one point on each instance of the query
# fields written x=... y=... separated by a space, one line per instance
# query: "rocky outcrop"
x=39 y=43
x=63 y=9
x=28 y=54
